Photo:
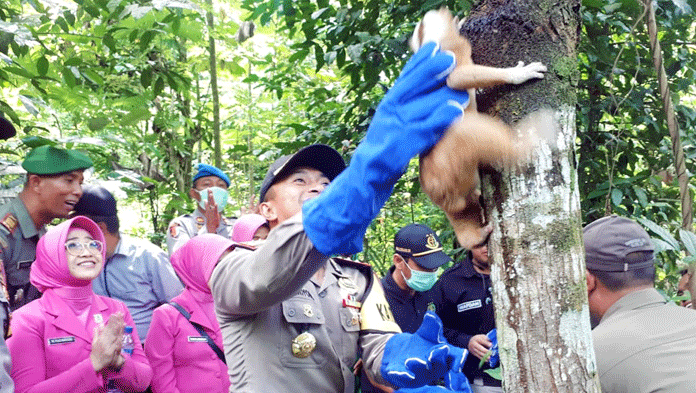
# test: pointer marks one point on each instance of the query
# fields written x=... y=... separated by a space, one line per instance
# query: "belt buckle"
x=478 y=381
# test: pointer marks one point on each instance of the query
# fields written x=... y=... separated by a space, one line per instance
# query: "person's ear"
x=268 y=211
x=194 y=194
x=33 y=182
x=591 y=281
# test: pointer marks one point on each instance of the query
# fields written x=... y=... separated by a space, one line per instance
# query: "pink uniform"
x=52 y=336
x=181 y=359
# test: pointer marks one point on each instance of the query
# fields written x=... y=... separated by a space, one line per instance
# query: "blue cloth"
x=410 y=119
x=495 y=357
x=209 y=170
x=140 y=275
x=412 y=360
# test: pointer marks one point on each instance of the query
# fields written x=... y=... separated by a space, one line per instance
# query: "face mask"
x=421 y=281
x=219 y=195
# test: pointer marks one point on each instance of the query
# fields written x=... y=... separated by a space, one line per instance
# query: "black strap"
x=200 y=329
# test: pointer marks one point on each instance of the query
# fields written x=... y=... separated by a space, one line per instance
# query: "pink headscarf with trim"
x=195 y=260
x=50 y=269
x=246 y=226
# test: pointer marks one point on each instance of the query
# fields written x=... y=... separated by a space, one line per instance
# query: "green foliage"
x=129 y=84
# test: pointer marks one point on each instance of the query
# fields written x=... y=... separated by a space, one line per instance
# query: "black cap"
x=617 y=244
x=420 y=243
x=96 y=202
x=320 y=157
x=7 y=130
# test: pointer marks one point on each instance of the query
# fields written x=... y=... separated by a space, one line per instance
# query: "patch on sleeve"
x=10 y=222
x=375 y=313
x=174 y=230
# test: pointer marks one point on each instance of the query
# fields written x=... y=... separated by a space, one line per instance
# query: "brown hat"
x=610 y=240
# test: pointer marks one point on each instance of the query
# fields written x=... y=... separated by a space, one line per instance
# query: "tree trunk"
x=538 y=272
x=214 y=84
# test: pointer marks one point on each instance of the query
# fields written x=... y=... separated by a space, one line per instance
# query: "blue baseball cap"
x=209 y=170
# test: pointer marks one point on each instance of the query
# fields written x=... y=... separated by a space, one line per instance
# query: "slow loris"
x=449 y=171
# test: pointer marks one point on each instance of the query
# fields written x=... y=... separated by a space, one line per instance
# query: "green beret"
x=49 y=160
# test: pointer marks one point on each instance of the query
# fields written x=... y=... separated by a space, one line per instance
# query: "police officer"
x=209 y=189
x=52 y=188
x=294 y=319
x=465 y=305
x=407 y=285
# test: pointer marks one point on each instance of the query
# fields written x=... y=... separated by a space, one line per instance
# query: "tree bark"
x=538 y=272
x=214 y=84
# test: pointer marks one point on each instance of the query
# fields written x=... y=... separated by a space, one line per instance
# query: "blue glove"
x=421 y=358
x=495 y=357
x=409 y=120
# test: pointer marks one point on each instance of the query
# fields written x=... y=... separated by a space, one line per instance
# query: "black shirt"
x=465 y=306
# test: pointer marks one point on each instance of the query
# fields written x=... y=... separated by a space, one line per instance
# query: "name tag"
x=196 y=339
x=461 y=307
x=61 y=340
x=24 y=264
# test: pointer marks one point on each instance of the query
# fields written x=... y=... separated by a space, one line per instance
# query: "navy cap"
x=420 y=243
x=7 y=130
x=320 y=157
x=209 y=170
x=617 y=244
x=96 y=201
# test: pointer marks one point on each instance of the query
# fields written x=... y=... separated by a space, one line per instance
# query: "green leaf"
x=495 y=373
x=68 y=77
x=616 y=197
x=93 y=77
x=135 y=116
x=42 y=65
x=661 y=232
x=159 y=86
x=97 y=123
x=688 y=239
x=109 y=42
x=146 y=77
x=484 y=359
x=36 y=141
x=145 y=39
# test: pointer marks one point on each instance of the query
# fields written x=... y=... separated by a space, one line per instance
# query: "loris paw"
x=523 y=73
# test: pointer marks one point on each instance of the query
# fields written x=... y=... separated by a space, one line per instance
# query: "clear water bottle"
x=128 y=340
x=127 y=348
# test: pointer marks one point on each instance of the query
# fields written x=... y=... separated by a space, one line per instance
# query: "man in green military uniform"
x=52 y=188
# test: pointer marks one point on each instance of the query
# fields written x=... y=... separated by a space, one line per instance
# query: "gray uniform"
x=645 y=344
x=18 y=239
x=266 y=298
x=183 y=228
x=6 y=384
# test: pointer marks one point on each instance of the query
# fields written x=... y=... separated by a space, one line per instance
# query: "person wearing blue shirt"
x=136 y=271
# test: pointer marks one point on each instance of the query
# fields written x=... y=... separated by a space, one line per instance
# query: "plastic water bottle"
x=127 y=348
x=128 y=340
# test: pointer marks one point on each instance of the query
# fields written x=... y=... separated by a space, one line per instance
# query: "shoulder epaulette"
x=10 y=222
x=362 y=266
x=245 y=246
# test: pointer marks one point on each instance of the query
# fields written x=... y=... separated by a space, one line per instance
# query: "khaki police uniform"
x=646 y=344
x=18 y=239
x=183 y=228
x=286 y=331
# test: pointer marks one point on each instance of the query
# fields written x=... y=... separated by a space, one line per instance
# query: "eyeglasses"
x=76 y=248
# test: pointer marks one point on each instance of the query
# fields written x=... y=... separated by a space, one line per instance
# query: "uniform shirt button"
x=322 y=293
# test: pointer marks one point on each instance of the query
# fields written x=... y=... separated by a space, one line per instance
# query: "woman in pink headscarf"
x=184 y=345
x=250 y=227
x=70 y=339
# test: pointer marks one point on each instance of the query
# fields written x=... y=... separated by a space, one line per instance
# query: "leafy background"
x=129 y=82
